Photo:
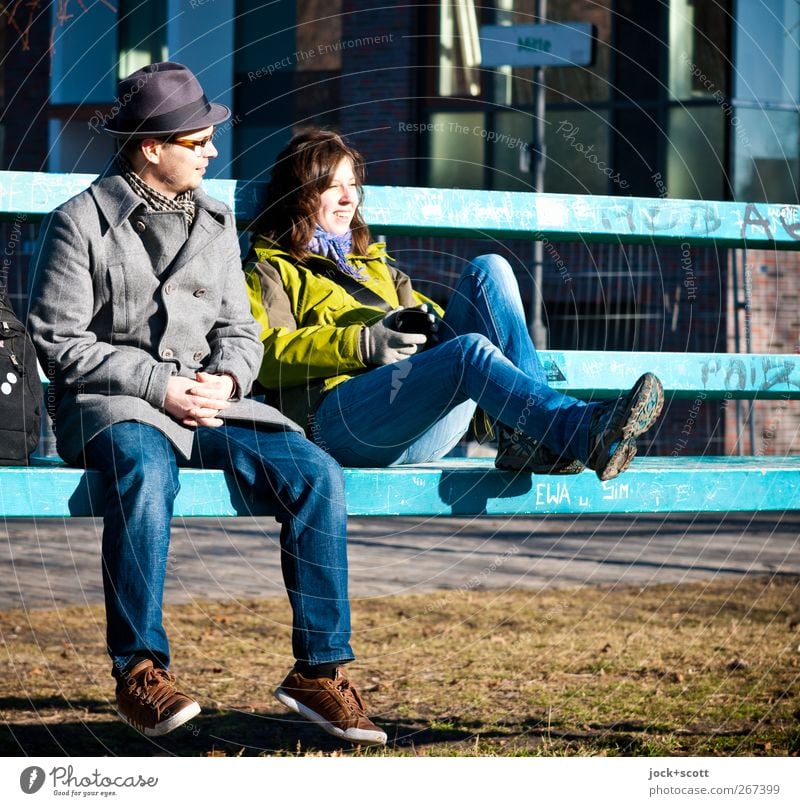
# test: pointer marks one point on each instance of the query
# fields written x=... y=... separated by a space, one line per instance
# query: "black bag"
x=20 y=390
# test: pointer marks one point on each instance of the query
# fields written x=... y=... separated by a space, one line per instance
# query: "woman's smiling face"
x=337 y=204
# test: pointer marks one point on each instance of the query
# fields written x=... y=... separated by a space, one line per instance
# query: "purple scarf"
x=336 y=248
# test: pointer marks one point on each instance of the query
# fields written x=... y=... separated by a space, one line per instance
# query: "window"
x=767 y=56
x=287 y=72
x=568 y=85
x=457 y=149
x=459 y=49
x=765 y=146
x=696 y=152
x=763 y=122
x=481 y=120
x=578 y=153
x=141 y=34
x=698 y=34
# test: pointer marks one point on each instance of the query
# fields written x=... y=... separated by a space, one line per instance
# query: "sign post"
x=539 y=45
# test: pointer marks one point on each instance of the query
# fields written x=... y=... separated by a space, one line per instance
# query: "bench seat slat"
x=462 y=487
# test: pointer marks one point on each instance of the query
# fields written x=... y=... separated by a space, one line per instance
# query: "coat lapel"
x=209 y=223
x=204 y=230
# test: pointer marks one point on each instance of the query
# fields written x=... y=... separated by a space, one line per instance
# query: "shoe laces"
x=155 y=687
x=349 y=694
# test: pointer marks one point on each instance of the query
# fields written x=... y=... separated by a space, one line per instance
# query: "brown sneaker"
x=149 y=700
x=333 y=704
x=616 y=424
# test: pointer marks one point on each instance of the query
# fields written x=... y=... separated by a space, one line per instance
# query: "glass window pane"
x=767 y=58
x=142 y=34
x=695 y=153
x=578 y=153
x=459 y=48
x=3 y=29
x=456 y=148
x=765 y=156
x=256 y=148
x=510 y=157
x=697 y=53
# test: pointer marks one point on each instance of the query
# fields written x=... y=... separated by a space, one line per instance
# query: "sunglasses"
x=198 y=146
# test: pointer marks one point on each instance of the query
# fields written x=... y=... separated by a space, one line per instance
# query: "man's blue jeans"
x=417 y=409
x=303 y=483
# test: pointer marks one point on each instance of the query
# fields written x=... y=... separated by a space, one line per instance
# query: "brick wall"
x=774 y=326
x=379 y=66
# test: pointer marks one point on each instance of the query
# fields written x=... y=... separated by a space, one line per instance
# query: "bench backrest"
x=544 y=216
x=485 y=213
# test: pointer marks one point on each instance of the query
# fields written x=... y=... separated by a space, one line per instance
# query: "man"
x=139 y=312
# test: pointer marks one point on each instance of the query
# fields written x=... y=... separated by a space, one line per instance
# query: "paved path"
x=51 y=563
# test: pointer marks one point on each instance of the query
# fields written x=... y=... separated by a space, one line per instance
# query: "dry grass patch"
x=696 y=669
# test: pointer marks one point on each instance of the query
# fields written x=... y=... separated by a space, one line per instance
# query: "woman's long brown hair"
x=301 y=173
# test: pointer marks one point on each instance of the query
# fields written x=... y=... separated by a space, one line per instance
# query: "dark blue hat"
x=160 y=99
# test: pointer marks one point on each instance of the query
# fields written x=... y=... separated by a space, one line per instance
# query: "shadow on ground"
x=266 y=732
x=229 y=733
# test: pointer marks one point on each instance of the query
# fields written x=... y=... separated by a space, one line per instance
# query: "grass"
x=694 y=669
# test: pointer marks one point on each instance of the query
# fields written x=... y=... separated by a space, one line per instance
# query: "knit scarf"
x=336 y=248
x=183 y=202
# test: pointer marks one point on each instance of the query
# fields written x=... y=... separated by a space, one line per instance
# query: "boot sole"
x=620 y=460
x=166 y=725
x=565 y=469
x=643 y=408
x=351 y=734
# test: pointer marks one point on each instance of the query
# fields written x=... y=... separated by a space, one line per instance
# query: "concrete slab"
x=53 y=562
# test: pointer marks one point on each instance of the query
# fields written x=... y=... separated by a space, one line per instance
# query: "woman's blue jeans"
x=306 y=488
x=417 y=409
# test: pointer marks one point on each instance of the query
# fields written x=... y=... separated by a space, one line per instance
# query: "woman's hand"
x=419 y=319
x=381 y=345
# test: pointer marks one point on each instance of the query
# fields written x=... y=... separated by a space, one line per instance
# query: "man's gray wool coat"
x=121 y=299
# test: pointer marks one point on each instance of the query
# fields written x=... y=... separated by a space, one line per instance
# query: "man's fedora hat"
x=160 y=99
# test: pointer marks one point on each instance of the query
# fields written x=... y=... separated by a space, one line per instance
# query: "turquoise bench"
x=470 y=487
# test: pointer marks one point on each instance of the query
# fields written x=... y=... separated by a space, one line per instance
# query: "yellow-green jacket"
x=310 y=325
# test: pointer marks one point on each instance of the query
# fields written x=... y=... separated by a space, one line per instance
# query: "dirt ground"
x=701 y=668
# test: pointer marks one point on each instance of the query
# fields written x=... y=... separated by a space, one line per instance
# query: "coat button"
x=167 y=353
x=140 y=225
x=169 y=288
x=198 y=355
x=199 y=292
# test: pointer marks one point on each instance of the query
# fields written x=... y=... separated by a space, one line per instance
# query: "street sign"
x=569 y=44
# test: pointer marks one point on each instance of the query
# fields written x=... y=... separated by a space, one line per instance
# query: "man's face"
x=181 y=167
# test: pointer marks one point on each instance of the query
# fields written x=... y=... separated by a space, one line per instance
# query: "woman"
x=378 y=386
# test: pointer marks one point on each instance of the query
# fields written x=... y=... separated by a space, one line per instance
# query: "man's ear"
x=151 y=150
